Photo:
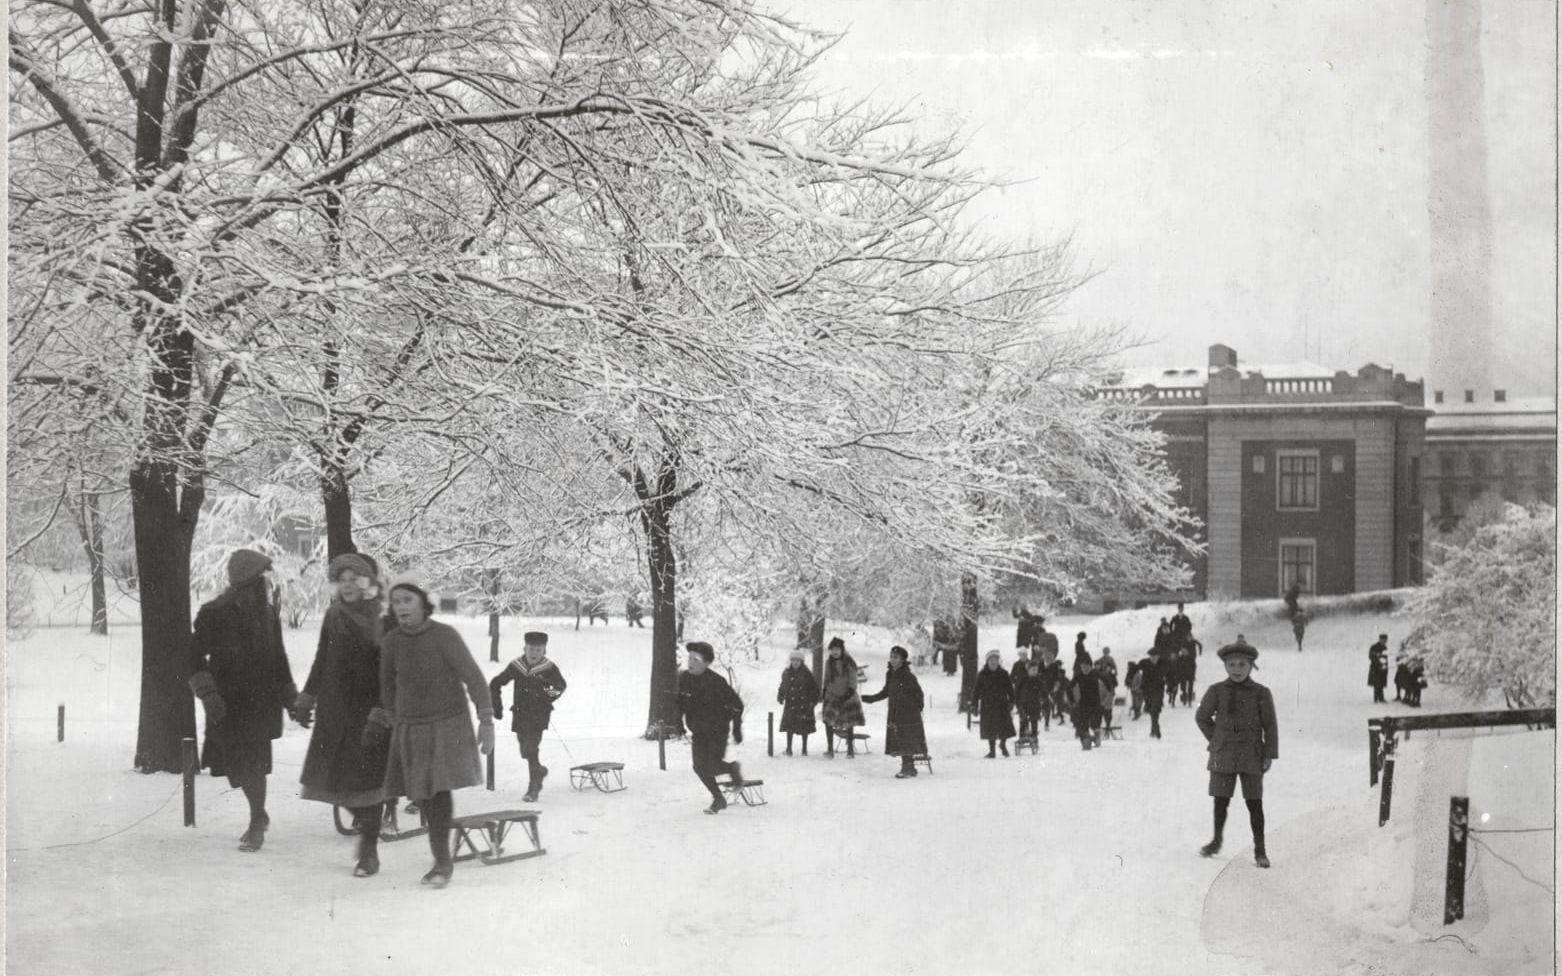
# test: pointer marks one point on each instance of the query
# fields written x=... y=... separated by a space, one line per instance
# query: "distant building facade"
x=1487 y=444
x=1300 y=474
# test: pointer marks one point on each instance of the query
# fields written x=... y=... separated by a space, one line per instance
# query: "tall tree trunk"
x=491 y=587
x=336 y=495
x=87 y=513
x=662 y=563
x=810 y=623
x=162 y=539
x=970 y=652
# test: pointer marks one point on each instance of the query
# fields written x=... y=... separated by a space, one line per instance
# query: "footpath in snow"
x=1065 y=861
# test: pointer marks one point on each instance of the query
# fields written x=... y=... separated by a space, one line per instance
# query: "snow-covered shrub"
x=20 y=613
x=1486 y=620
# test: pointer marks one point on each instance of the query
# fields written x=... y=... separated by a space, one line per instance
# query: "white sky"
x=1240 y=173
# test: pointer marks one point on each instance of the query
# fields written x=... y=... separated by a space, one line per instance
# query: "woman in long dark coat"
x=903 y=733
x=239 y=671
x=340 y=768
x=994 y=699
x=842 y=705
x=797 y=696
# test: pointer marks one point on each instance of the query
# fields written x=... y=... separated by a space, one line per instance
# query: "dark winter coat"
x=1238 y=720
x=1106 y=667
x=345 y=683
x=994 y=697
x=707 y=705
x=1377 y=665
x=536 y=688
x=1028 y=691
x=903 y=734
x=1182 y=629
x=245 y=660
x=1152 y=683
x=838 y=691
x=1017 y=671
x=1089 y=690
x=797 y=696
x=1025 y=630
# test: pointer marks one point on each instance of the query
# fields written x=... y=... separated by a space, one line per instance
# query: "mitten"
x=216 y=708
x=737 y=731
x=303 y=710
x=485 y=737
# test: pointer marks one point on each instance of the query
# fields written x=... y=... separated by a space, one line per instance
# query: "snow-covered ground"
x=1063 y=862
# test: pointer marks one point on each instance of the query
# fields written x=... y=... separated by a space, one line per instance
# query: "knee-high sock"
x=1221 y=805
x=255 y=792
x=1255 y=816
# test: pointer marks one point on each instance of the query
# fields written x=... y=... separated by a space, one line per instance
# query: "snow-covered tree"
x=1487 y=618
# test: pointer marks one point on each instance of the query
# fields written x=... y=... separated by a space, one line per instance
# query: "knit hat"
x=702 y=649
x=535 y=637
x=797 y=655
x=836 y=642
x=408 y=581
x=1238 y=647
x=897 y=649
x=245 y=565
x=995 y=654
x=348 y=561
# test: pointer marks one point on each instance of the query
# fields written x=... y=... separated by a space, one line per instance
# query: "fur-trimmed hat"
x=1239 y=646
x=245 y=565
x=702 y=649
x=797 y=655
x=353 y=561
x=535 y=637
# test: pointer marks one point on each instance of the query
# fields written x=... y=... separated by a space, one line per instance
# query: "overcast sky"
x=1239 y=172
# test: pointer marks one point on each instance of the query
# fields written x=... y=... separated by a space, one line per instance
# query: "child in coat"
x=903 y=732
x=1237 y=717
x=797 y=696
x=538 y=683
x=1029 y=695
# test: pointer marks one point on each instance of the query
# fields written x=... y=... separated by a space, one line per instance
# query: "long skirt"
x=432 y=757
x=843 y=713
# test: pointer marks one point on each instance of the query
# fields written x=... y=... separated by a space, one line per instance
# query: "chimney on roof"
x=1469 y=396
x=1222 y=356
x=1501 y=396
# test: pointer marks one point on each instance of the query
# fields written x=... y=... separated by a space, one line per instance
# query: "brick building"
x=1298 y=472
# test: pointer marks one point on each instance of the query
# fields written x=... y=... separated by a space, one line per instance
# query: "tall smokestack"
x=1457 y=202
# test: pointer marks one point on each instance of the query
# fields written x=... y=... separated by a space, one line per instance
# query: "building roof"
x=1190 y=377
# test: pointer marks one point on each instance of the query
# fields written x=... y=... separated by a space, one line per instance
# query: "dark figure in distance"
x=1377 y=667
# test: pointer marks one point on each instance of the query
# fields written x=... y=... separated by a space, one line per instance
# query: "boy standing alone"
x=538 y=682
x=1237 y=716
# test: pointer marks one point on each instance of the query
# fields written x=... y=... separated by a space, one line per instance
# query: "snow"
x=1063 y=862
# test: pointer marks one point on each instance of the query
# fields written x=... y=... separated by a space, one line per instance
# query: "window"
x=1258 y=464
x=1297 y=474
x=1437 y=396
x=1337 y=464
x=1298 y=558
x=1413 y=557
x=1415 y=481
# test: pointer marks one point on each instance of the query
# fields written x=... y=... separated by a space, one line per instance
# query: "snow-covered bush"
x=20 y=615
x=1486 y=620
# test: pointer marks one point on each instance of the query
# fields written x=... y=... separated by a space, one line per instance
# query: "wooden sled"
x=925 y=761
x=492 y=830
x=1025 y=742
x=390 y=829
x=750 y=791
x=607 y=777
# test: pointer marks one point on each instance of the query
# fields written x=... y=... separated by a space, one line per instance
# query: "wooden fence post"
x=661 y=747
x=1458 y=835
x=770 y=746
x=1387 y=798
x=1373 y=745
x=60 y=726
x=191 y=764
x=491 y=766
